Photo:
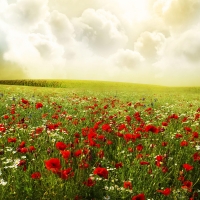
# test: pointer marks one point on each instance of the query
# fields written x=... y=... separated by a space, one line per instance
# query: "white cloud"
x=101 y=30
x=126 y=59
x=179 y=62
x=150 y=44
x=25 y=13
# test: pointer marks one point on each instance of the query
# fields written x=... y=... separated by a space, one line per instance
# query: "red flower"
x=127 y=185
x=24 y=101
x=66 y=154
x=159 y=158
x=61 y=146
x=196 y=156
x=12 y=139
x=139 y=197
x=53 y=164
x=22 y=144
x=102 y=172
x=24 y=150
x=151 y=128
x=32 y=148
x=66 y=173
x=139 y=147
x=184 y=143
x=106 y=127
x=118 y=165
x=187 y=185
x=187 y=167
x=165 y=192
x=144 y=163
x=78 y=152
x=38 y=105
x=90 y=182
x=36 y=175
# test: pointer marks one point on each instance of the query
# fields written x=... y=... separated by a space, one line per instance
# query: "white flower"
x=2 y=182
x=197 y=147
x=107 y=197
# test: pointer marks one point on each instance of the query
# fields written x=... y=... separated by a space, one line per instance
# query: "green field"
x=64 y=139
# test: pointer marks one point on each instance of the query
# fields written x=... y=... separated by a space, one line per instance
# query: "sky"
x=146 y=41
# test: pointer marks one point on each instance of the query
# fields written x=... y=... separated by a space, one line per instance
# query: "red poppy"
x=36 y=175
x=61 y=146
x=66 y=173
x=139 y=147
x=106 y=127
x=90 y=182
x=184 y=143
x=196 y=156
x=38 y=105
x=53 y=164
x=12 y=140
x=32 y=148
x=127 y=185
x=102 y=172
x=187 y=167
x=24 y=101
x=66 y=154
x=118 y=165
x=144 y=163
x=24 y=150
x=22 y=144
x=187 y=185
x=78 y=152
x=165 y=192
x=139 y=197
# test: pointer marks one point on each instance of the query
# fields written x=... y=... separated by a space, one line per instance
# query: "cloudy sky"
x=146 y=41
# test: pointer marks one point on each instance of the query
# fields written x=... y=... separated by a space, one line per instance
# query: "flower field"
x=137 y=144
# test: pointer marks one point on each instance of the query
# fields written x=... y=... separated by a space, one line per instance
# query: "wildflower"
x=66 y=173
x=61 y=145
x=184 y=143
x=36 y=175
x=102 y=172
x=12 y=140
x=38 y=105
x=139 y=197
x=53 y=164
x=187 y=185
x=165 y=192
x=90 y=182
x=187 y=167
x=66 y=154
x=128 y=185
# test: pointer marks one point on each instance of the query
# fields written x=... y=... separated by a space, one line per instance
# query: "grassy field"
x=98 y=140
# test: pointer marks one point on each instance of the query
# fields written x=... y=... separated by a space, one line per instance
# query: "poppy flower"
x=187 y=167
x=165 y=192
x=139 y=147
x=66 y=154
x=184 y=143
x=12 y=140
x=128 y=185
x=139 y=197
x=38 y=105
x=118 y=165
x=78 y=152
x=90 y=182
x=102 y=172
x=144 y=163
x=36 y=175
x=196 y=156
x=53 y=164
x=187 y=185
x=66 y=173
x=61 y=146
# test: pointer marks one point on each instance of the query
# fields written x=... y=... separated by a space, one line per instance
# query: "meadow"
x=95 y=140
